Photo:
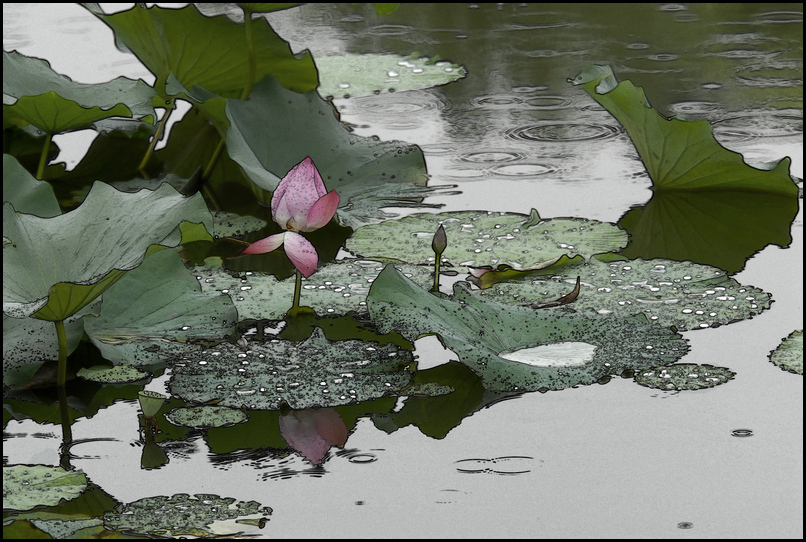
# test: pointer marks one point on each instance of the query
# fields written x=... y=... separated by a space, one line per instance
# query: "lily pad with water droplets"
x=681 y=294
x=206 y=416
x=28 y=486
x=683 y=376
x=517 y=348
x=313 y=373
x=335 y=288
x=365 y=74
x=113 y=375
x=181 y=515
x=789 y=354
x=479 y=238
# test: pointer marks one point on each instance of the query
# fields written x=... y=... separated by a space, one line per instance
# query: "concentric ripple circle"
x=563 y=132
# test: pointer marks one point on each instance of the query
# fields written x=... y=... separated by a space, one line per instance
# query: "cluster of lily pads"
x=262 y=212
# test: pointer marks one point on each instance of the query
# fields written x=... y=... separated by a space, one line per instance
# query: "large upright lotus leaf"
x=336 y=288
x=210 y=52
x=26 y=193
x=716 y=227
x=54 y=266
x=34 y=94
x=170 y=306
x=479 y=238
x=517 y=348
x=789 y=354
x=28 y=486
x=681 y=294
x=275 y=129
x=679 y=155
x=315 y=372
x=367 y=74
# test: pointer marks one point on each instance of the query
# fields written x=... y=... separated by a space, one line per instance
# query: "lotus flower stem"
x=157 y=136
x=250 y=49
x=297 y=288
x=61 y=375
x=43 y=158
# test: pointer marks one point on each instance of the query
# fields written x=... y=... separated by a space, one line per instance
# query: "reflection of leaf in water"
x=789 y=354
x=495 y=339
x=721 y=228
x=478 y=238
x=315 y=372
x=681 y=294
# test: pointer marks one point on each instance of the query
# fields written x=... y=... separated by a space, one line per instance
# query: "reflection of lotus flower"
x=300 y=203
x=312 y=432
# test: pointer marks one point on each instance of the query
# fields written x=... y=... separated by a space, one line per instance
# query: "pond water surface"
x=613 y=461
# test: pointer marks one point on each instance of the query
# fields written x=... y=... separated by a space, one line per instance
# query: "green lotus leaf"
x=683 y=376
x=181 y=515
x=77 y=255
x=315 y=372
x=113 y=375
x=26 y=193
x=479 y=238
x=204 y=417
x=367 y=74
x=681 y=294
x=170 y=307
x=28 y=486
x=517 y=348
x=34 y=94
x=233 y=225
x=336 y=288
x=275 y=129
x=677 y=154
x=209 y=52
x=789 y=354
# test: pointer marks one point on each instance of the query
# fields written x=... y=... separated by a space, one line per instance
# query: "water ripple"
x=563 y=132
x=505 y=466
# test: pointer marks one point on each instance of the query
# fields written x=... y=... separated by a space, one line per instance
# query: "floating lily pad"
x=206 y=416
x=789 y=354
x=79 y=254
x=478 y=238
x=336 y=288
x=365 y=74
x=181 y=515
x=681 y=294
x=113 y=375
x=28 y=486
x=516 y=348
x=315 y=372
x=683 y=376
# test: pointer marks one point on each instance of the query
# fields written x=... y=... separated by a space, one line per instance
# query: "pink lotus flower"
x=300 y=203
x=312 y=432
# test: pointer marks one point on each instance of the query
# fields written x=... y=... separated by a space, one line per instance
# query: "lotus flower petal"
x=301 y=253
x=322 y=211
x=296 y=195
x=267 y=244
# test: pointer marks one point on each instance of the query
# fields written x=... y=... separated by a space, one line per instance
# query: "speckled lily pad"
x=315 y=372
x=206 y=416
x=478 y=238
x=789 y=354
x=181 y=515
x=683 y=376
x=683 y=294
x=113 y=375
x=28 y=486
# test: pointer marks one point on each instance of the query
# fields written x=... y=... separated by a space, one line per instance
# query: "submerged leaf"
x=520 y=349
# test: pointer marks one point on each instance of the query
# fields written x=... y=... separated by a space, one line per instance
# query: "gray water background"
x=607 y=461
